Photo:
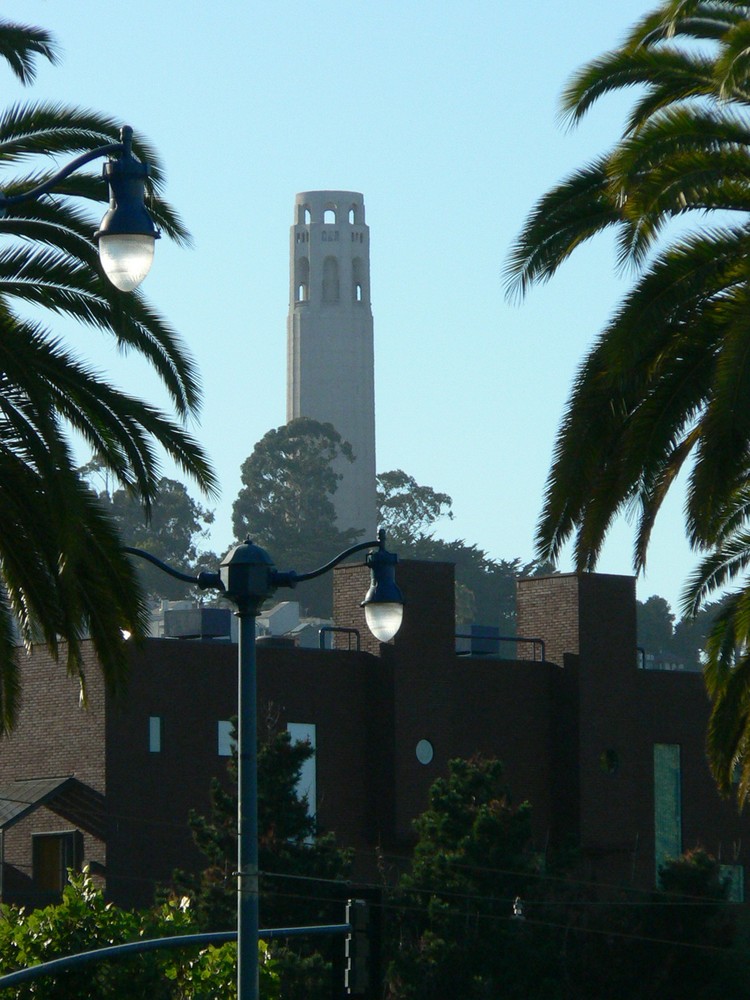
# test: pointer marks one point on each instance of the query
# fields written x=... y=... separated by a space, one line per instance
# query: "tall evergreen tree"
x=303 y=871
x=451 y=932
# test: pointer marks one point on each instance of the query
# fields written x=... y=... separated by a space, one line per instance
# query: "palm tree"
x=666 y=385
x=63 y=574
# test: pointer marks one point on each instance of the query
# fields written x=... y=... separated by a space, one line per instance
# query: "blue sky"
x=445 y=116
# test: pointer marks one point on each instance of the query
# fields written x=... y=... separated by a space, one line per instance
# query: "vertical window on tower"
x=358 y=276
x=329 y=215
x=330 y=280
x=302 y=279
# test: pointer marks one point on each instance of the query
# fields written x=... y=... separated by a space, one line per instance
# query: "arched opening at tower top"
x=329 y=216
x=359 y=277
x=302 y=279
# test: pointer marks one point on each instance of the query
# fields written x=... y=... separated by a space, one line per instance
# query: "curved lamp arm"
x=34 y=193
x=247 y=576
x=127 y=233
x=204 y=580
x=290 y=578
x=383 y=603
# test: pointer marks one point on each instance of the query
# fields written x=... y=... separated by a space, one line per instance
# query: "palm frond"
x=668 y=75
x=733 y=64
x=715 y=571
x=579 y=208
x=21 y=44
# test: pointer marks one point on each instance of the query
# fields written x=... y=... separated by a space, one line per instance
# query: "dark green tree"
x=451 y=931
x=486 y=587
x=479 y=915
x=677 y=943
x=655 y=626
x=691 y=634
x=664 y=387
x=170 y=529
x=407 y=510
x=286 y=505
x=62 y=572
x=300 y=866
x=682 y=641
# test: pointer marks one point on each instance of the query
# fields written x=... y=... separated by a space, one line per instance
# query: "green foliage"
x=676 y=943
x=485 y=587
x=62 y=571
x=285 y=504
x=292 y=855
x=407 y=510
x=665 y=387
x=452 y=933
x=662 y=382
x=83 y=921
x=452 y=929
x=169 y=529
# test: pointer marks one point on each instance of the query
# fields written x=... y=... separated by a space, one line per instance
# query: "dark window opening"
x=52 y=855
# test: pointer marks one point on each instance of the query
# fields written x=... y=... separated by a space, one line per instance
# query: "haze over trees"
x=485 y=587
x=171 y=529
x=285 y=504
x=62 y=571
x=664 y=390
x=679 y=642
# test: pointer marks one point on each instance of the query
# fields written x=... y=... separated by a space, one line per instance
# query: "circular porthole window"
x=424 y=752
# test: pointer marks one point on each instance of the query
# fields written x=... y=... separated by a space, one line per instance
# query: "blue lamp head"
x=127 y=233
x=384 y=602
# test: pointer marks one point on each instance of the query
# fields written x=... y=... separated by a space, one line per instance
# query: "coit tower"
x=330 y=370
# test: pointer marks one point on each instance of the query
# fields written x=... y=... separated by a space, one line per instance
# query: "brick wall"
x=55 y=737
x=547 y=608
x=552 y=724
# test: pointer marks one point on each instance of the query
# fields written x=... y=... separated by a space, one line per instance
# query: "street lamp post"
x=247 y=577
x=126 y=234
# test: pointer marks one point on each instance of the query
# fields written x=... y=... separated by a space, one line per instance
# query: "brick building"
x=610 y=756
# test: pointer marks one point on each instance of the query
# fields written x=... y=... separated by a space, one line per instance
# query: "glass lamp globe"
x=384 y=619
x=126 y=258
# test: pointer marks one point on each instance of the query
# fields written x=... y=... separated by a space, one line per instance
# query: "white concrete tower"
x=330 y=366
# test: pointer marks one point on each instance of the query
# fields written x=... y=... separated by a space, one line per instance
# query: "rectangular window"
x=735 y=876
x=304 y=732
x=226 y=742
x=667 y=803
x=154 y=734
x=52 y=855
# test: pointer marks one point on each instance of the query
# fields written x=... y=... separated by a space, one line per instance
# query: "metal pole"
x=247 y=811
x=247 y=576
